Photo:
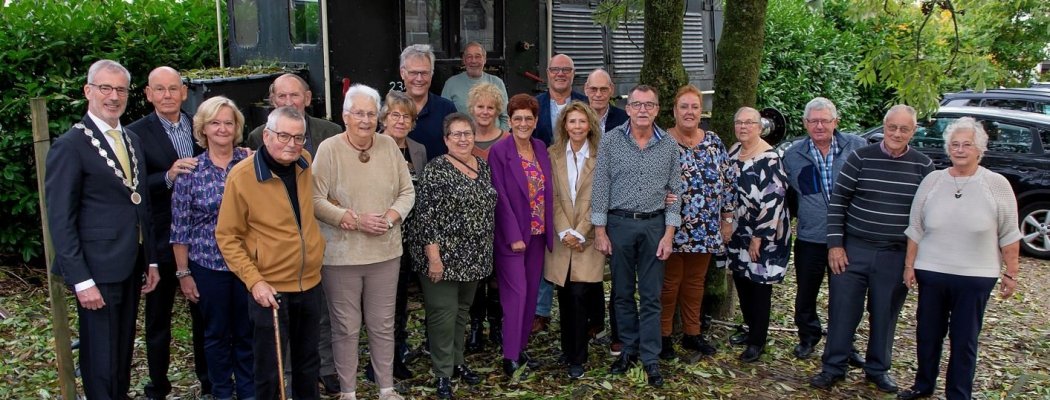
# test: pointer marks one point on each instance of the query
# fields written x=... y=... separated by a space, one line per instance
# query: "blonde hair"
x=482 y=90
x=208 y=111
x=561 y=136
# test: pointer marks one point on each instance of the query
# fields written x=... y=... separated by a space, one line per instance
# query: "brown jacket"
x=589 y=265
x=257 y=232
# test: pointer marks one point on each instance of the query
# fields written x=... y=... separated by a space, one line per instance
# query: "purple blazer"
x=512 y=208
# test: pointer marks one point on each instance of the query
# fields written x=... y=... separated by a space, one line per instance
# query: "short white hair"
x=108 y=65
x=359 y=90
x=821 y=103
x=415 y=51
x=902 y=108
x=980 y=137
x=283 y=112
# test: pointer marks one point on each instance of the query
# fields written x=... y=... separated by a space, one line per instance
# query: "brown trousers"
x=684 y=276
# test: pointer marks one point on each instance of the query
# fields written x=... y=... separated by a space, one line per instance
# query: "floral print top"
x=195 y=201
x=537 y=194
x=458 y=214
x=709 y=180
x=761 y=195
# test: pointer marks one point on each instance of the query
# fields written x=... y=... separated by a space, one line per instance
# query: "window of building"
x=304 y=23
x=423 y=24
x=477 y=23
x=246 y=22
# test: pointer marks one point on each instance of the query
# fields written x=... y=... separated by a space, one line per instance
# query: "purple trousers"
x=519 y=276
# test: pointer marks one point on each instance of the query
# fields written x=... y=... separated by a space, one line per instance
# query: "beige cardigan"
x=589 y=265
x=341 y=181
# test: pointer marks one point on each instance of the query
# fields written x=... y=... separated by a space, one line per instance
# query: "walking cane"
x=277 y=346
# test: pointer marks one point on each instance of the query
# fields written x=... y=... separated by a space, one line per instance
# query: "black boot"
x=444 y=388
x=475 y=337
x=463 y=373
x=667 y=348
x=496 y=332
x=510 y=366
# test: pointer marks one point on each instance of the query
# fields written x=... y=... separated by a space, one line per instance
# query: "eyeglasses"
x=961 y=146
x=560 y=70
x=396 y=116
x=364 y=116
x=905 y=129
x=417 y=74
x=638 y=105
x=818 y=122
x=165 y=90
x=285 y=137
x=745 y=123
x=520 y=118
x=597 y=89
x=459 y=135
x=122 y=91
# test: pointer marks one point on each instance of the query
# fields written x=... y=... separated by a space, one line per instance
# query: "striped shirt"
x=181 y=134
x=635 y=179
x=873 y=195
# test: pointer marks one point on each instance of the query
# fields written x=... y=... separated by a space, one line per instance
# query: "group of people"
x=285 y=248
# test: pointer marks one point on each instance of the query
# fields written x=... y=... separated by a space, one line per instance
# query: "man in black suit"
x=600 y=91
x=167 y=141
x=98 y=213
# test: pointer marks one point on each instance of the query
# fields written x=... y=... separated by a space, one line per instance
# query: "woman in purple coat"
x=521 y=174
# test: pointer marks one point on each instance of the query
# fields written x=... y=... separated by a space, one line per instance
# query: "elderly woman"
x=202 y=272
x=707 y=216
x=574 y=265
x=362 y=190
x=521 y=174
x=485 y=102
x=757 y=251
x=451 y=243
x=962 y=229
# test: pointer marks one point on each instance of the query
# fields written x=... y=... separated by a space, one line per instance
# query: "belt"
x=636 y=215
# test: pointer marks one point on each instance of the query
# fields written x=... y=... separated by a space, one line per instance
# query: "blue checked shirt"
x=824 y=164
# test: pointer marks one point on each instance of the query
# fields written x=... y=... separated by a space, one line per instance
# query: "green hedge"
x=46 y=47
x=808 y=55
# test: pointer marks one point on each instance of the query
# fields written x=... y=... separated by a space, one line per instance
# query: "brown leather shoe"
x=540 y=323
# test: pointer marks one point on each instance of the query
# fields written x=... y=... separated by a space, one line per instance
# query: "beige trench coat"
x=589 y=265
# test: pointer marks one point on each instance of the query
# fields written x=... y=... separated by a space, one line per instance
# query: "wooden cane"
x=277 y=346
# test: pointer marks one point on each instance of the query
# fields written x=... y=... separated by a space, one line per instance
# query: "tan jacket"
x=589 y=265
x=257 y=232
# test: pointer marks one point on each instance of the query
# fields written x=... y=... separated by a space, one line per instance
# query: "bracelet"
x=1009 y=276
x=183 y=274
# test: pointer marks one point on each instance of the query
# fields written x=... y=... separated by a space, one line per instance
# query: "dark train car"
x=341 y=42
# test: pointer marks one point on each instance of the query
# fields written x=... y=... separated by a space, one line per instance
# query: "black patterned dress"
x=761 y=196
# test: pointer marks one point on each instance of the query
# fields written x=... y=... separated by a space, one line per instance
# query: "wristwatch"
x=182 y=274
x=727 y=220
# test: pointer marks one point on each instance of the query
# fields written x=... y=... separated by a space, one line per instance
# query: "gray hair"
x=417 y=50
x=108 y=65
x=474 y=43
x=903 y=108
x=821 y=103
x=283 y=112
x=744 y=109
x=359 y=90
x=980 y=137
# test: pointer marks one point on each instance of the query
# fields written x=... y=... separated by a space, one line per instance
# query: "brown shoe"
x=540 y=323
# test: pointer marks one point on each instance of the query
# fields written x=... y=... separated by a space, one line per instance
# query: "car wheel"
x=1035 y=227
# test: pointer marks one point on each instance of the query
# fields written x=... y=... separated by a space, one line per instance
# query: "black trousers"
x=576 y=300
x=298 y=315
x=811 y=263
x=755 y=302
x=953 y=305
x=614 y=334
x=107 y=338
x=159 y=304
x=486 y=302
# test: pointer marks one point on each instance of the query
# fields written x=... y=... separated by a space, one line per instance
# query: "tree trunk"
x=737 y=65
x=662 y=65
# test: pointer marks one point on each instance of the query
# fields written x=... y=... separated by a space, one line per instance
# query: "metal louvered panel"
x=693 y=46
x=628 y=44
x=576 y=34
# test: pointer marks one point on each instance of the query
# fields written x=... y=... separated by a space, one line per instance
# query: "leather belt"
x=636 y=215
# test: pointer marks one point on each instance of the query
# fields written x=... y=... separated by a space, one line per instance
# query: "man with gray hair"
x=600 y=92
x=867 y=216
x=291 y=90
x=458 y=86
x=269 y=237
x=812 y=165
x=417 y=72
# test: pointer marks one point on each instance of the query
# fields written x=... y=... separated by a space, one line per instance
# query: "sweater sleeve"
x=325 y=168
x=841 y=195
x=1006 y=206
x=916 y=227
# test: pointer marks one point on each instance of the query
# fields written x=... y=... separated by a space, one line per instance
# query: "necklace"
x=363 y=156
x=131 y=183
x=464 y=163
x=958 y=188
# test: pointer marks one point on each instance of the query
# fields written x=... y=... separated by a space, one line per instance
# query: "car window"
x=1042 y=107
x=1007 y=138
x=1007 y=104
x=957 y=102
x=1044 y=136
x=930 y=133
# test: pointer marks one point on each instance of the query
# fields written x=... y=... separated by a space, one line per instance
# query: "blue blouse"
x=709 y=191
x=195 y=204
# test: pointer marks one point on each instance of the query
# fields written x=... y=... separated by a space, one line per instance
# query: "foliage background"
x=46 y=47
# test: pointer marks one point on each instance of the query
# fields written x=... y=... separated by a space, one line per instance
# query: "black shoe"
x=803 y=351
x=909 y=394
x=475 y=337
x=524 y=359
x=752 y=353
x=740 y=337
x=690 y=342
x=623 y=363
x=444 y=388
x=401 y=370
x=667 y=348
x=825 y=380
x=704 y=347
x=884 y=382
x=653 y=372
x=575 y=371
x=330 y=384
x=462 y=372
x=855 y=360
x=510 y=366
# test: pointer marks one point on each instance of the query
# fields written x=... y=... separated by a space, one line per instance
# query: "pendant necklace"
x=363 y=156
x=958 y=188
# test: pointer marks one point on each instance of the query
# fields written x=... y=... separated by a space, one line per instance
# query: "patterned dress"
x=761 y=195
x=537 y=194
x=710 y=180
x=458 y=214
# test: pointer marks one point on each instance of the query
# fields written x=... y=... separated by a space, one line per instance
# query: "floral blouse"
x=761 y=195
x=458 y=214
x=195 y=201
x=709 y=180
x=537 y=194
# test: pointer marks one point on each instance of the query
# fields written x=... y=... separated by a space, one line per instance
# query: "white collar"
x=103 y=127
x=585 y=151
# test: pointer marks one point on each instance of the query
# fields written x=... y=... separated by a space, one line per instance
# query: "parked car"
x=1034 y=99
x=1018 y=148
